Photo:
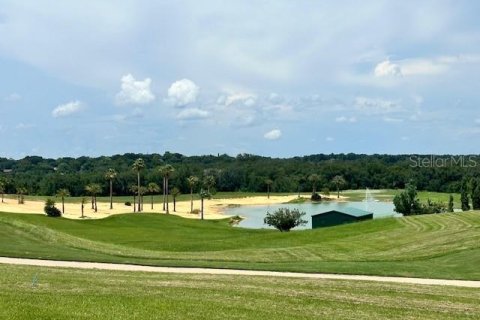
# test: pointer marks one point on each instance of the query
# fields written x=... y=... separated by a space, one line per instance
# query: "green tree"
x=285 y=219
x=21 y=192
x=464 y=196
x=407 y=202
x=138 y=166
x=110 y=175
x=166 y=171
x=152 y=189
x=209 y=182
x=314 y=179
x=50 y=209
x=475 y=194
x=2 y=188
x=175 y=193
x=204 y=194
x=339 y=182
x=450 y=204
x=93 y=189
x=62 y=193
x=192 y=183
x=134 y=190
x=268 y=182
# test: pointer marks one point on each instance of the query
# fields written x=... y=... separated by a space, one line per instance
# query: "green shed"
x=339 y=216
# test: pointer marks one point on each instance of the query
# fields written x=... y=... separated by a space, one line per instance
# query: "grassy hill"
x=437 y=246
x=60 y=293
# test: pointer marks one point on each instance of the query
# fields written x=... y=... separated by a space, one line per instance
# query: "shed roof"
x=349 y=211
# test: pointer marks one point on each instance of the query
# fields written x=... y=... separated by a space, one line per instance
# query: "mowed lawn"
x=56 y=293
x=435 y=246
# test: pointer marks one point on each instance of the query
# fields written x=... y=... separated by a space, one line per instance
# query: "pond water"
x=254 y=214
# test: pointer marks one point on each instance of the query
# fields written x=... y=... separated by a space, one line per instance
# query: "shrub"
x=128 y=203
x=235 y=220
x=50 y=209
x=316 y=197
x=195 y=211
x=326 y=191
x=285 y=219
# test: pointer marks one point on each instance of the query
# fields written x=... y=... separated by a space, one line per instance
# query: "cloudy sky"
x=275 y=78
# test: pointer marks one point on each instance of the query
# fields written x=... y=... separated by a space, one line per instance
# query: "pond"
x=253 y=215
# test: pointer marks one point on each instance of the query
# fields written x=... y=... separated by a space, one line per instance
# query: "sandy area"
x=213 y=209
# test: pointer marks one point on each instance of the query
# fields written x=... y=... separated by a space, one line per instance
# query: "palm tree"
x=21 y=192
x=314 y=178
x=209 y=182
x=93 y=189
x=339 y=181
x=143 y=190
x=175 y=192
x=166 y=171
x=62 y=193
x=153 y=188
x=134 y=190
x=192 y=183
x=268 y=182
x=138 y=166
x=110 y=175
x=2 y=189
x=204 y=194
x=83 y=206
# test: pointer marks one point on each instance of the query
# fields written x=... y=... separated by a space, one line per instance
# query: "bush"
x=316 y=197
x=285 y=219
x=195 y=211
x=128 y=203
x=326 y=191
x=50 y=209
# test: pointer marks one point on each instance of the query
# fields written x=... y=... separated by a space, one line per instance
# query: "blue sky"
x=275 y=78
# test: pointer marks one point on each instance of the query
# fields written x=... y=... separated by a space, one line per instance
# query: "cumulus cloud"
x=182 y=93
x=387 y=68
x=134 y=91
x=247 y=99
x=67 y=109
x=376 y=106
x=273 y=134
x=346 y=119
x=192 y=114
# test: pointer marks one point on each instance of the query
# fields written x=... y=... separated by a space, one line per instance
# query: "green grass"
x=436 y=246
x=93 y=294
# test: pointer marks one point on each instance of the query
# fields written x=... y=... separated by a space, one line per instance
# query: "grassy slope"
x=93 y=294
x=438 y=246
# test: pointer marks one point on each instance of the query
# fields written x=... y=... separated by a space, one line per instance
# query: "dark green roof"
x=348 y=210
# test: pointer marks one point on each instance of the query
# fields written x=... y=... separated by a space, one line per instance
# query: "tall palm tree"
x=192 y=183
x=339 y=181
x=143 y=191
x=2 y=189
x=204 y=194
x=314 y=178
x=62 y=193
x=152 y=189
x=166 y=171
x=175 y=192
x=93 y=189
x=21 y=192
x=138 y=166
x=110 y=175
x=134 y=190
x=268 y=182
x=209 y=182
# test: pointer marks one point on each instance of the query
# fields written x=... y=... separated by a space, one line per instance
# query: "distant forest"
x=245 y=172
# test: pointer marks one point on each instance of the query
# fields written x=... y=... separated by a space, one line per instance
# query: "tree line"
x=245 y=172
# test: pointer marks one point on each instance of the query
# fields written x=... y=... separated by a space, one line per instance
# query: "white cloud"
x=192 y=114
x=182 y=93
x=376 y=106
x=346 y=119
x=389 y=119
x=134 y=91
x=387 y=68
x=67 y=109
x=329 y=139
x=273 y=134
x=248 y=99
x=22 y=126
x=13 y=97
